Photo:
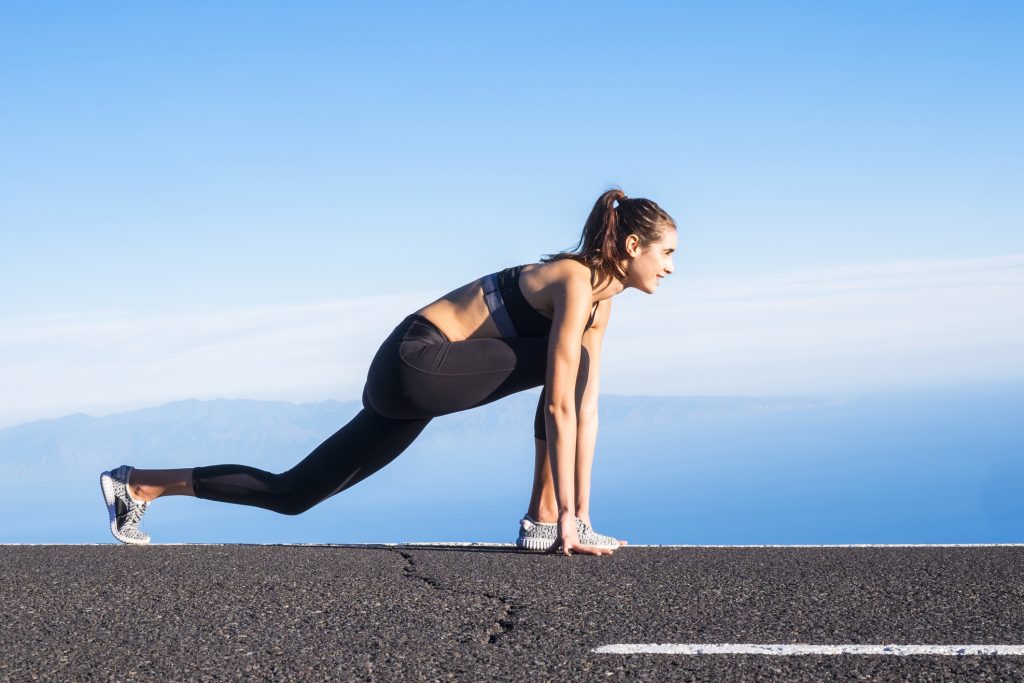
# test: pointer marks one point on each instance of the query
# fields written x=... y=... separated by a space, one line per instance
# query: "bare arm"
x=587 y=390
x=572 y=301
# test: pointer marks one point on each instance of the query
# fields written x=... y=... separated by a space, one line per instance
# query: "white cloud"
x=851 y=327
x=106 y=361
x=819 y=330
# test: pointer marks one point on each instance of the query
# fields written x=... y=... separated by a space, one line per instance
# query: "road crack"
x=493 y=634
x=504 y=625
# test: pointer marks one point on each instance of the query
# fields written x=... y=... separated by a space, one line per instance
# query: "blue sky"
x=178 y=175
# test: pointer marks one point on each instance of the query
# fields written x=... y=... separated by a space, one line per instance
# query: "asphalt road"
x=409 y=613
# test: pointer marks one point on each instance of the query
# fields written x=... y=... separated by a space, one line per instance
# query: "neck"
x=607 y=288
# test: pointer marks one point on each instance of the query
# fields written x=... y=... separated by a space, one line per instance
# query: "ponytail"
x=613 y=218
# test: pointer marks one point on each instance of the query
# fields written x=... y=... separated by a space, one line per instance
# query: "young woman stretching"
x=527 y=326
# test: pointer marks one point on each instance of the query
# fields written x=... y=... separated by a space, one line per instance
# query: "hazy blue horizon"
x=902 y=467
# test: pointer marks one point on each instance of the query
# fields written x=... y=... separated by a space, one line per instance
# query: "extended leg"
x=357 y=450
x=149 y=484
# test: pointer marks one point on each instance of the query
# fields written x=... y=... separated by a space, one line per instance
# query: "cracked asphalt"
x=374 y=613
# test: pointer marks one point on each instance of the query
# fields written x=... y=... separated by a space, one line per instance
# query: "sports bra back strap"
x=496 y=305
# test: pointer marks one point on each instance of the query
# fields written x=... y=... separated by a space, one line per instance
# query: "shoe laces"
x=584 y=529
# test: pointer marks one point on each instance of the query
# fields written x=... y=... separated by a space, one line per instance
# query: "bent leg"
x=364 y=445
x=543 y=504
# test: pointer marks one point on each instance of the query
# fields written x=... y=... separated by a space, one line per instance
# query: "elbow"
x=561 y=410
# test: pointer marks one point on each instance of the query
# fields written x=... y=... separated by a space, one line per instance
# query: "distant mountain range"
x=259 y=432
x=916 y=466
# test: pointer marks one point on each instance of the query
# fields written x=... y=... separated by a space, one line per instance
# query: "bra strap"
x=496 y=305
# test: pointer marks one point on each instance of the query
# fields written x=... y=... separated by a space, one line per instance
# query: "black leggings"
x=417 y=374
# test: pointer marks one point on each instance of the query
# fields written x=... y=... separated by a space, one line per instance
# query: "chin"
x=646 y=289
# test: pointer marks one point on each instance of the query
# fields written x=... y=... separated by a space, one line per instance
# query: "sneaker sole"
x=535 y=544
x=544 y=545
x=107 y=486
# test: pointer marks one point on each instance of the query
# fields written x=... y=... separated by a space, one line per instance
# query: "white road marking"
x=804 y=649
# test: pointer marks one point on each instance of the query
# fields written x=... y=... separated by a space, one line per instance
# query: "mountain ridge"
x=261 y=432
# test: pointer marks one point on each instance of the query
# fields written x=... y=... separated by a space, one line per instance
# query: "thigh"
x=434 y=379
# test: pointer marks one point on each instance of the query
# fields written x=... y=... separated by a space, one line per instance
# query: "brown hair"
x=603 y=242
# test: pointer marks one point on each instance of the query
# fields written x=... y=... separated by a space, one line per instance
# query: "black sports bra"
x=528 y=321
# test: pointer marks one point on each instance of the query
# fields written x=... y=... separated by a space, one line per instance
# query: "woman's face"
x=647 y=265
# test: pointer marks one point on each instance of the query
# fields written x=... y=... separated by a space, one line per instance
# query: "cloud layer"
x=812 y=331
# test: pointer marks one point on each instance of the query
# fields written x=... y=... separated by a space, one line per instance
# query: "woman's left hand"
x=569 y=540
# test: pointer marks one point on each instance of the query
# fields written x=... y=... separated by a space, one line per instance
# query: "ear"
x=632 y=245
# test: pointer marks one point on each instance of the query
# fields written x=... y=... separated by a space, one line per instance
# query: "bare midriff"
x=463 y=314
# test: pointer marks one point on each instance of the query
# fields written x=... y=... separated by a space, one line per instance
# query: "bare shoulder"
x=569 y=292
x=565 y=272
x=577 y=287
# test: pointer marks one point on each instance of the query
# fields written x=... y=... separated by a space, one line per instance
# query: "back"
x=527 y=320
x=465 y=313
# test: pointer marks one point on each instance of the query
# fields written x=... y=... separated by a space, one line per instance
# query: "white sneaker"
x=125 y=513
x=534 y=535
x=590 y=537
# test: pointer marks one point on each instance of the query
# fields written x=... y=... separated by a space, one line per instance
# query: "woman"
x=532 y=325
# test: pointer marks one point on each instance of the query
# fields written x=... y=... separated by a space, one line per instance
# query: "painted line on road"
x=804 y=649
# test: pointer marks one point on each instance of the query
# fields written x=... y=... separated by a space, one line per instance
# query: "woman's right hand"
x=569 y=540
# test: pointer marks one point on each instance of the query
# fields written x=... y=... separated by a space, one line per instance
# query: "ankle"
x=136 y=493
x=139 y=494
x=544 y=516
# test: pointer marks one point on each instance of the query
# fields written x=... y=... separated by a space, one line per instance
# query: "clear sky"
x=242 y=198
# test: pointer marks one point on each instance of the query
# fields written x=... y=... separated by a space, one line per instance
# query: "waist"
x=417 y=327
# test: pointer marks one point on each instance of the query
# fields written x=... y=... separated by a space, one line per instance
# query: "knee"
x=374 y=402
x=393 y=407
x=292 y=508
x=290 y=498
